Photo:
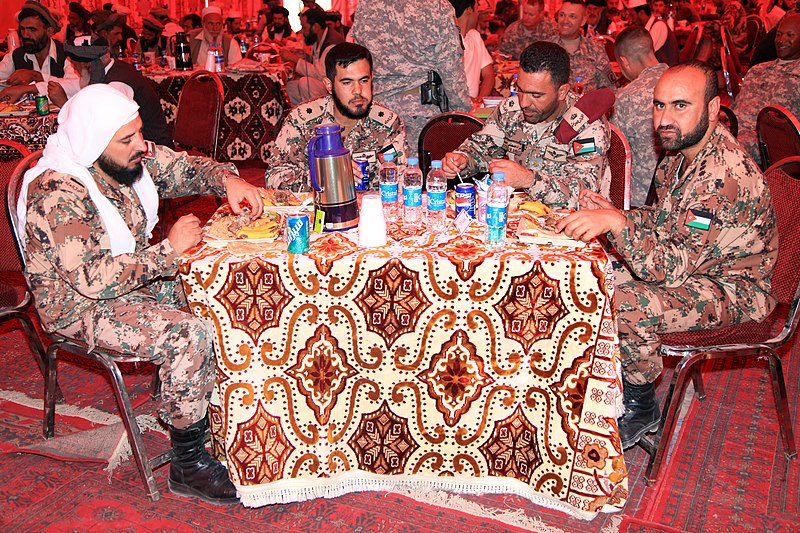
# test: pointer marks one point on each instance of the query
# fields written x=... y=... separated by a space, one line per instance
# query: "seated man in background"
x=775 y=82
x=190 y=22
x=633 y=110
x=108 y=26
x=534 y=25
x=478 y=64
x=597 y=19
x=86 y=212
x=702 y=256
x=369 y=128
x=95 y=65
x=212 y=35
x=280 y=29
x=171 y=27
x=522 y=129
x=39 y=59
x=310 y=72
x=153 y=38
x=664 y=42
x=587 y=58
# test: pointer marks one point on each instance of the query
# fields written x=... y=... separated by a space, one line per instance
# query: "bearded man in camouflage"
x=369 y=128
x=86 y=212
x=702 y=256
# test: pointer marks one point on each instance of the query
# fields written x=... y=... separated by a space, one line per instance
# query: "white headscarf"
x=86 y=124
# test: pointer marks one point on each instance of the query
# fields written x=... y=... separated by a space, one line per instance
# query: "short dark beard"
x=693 y=137
x=122 y=175
x=343 y=109
x=34 y=47
x=310 y=39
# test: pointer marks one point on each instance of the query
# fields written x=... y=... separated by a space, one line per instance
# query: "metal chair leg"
x=697 y=381
x=155 y=385
x=37 y=348
x=781 y=403
x=50 y=377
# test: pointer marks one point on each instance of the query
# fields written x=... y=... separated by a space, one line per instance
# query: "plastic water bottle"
x=496 y=211
x=388 y=187
x=436 y=186
x=512 y=87
x=578 y=87
x=412 y=194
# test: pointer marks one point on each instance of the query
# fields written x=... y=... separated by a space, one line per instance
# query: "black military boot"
x=193 y=472
x=642 y=414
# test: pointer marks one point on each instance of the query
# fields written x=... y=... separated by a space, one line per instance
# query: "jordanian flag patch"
x=698 y=219
x=584 y=146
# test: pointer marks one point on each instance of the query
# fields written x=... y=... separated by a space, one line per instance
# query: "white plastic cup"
x=371 y=223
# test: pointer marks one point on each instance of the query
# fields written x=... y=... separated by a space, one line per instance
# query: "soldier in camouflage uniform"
x=369 y=128
x=702 y=256
x=534 y=26
x=587 y=58
x=522 y=128
x=408 y=39
x=633 y=111
x=85 y=216
x=773 y=83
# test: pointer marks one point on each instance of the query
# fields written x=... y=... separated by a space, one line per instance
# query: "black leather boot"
x=193 y=472
x=642 y=414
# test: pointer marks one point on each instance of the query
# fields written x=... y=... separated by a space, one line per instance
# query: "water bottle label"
x=437 y=201
x=495 y=215
x=412 y=196
x=388 y=193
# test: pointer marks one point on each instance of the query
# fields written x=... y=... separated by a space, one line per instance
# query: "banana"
x=536 y=208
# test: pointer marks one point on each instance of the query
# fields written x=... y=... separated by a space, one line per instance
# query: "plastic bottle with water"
x=389 y=187
x=578 y=87
x=496 y=211
x=436 y=187
x=412 y=194
x=512 y=87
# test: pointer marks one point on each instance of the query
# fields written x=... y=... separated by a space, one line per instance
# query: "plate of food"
x=542 y=229
x=226 y=227
x=283 y=201
x=14 y=110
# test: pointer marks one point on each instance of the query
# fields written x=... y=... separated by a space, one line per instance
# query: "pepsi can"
x=297 y=234
x=363 y=165
x=465 y=198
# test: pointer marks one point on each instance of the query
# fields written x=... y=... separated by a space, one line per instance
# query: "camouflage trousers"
x=150 y=322
x=414 y=114
x=645 y=310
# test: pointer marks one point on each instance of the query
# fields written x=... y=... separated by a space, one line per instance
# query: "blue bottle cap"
x=389 y=156
x=413 y=161
x=499 y=176
x=436 y=163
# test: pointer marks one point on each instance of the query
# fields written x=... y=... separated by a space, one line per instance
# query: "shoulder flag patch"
x=695 y=218
x=583 y=146
x=151 y=150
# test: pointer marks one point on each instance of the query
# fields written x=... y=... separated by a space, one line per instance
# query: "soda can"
x=465 y=198
x=297 y=234
x=363 y=165
x=42 y=105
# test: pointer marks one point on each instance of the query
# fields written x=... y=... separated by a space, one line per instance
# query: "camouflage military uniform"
x=407 y=40
x=132 y=301
x=691 y=275
x=287 y=167
x=773 y=83
x=517 y=37
x=633 y=115
x=590 y=62
x=562 y=170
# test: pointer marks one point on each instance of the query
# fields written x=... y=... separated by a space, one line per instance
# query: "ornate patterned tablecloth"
x=251 y=113
x=431 y=363
x=31 y=130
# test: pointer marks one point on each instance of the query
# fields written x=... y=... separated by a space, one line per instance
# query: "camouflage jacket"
x=590 y=62
x=773 y=83
x=633 y=115
x=517 y=37
x=562 y=170
x=69 y=265
x=713 y=219
x=408 y=42
x=287 y=167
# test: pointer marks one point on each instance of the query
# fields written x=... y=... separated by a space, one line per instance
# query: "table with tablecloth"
x=430 y=363
x=31 y=130
x=251 y=113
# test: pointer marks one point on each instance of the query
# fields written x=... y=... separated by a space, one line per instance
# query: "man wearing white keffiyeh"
x=86 y=212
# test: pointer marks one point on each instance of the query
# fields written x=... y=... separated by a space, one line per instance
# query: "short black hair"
x=279 y=10
x=462 y=5
x=634 y=42
x=315 y=16
x=546 y=56
x=711 y=89
x=343 y=55
x=197 y=22
x=645 y=8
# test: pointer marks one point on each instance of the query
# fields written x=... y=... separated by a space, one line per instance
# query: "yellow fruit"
x=537 y=208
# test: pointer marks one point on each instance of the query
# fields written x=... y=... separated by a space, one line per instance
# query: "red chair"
x=619 y=161
x=692 y=43
x=608 y=43
x=732 y=74
x=760 y=340
x=790 y=165
x=109 y=359
x=755 y=32
x=444 y=133
x=199 y=112
x=728 y=118
x=778 y=132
